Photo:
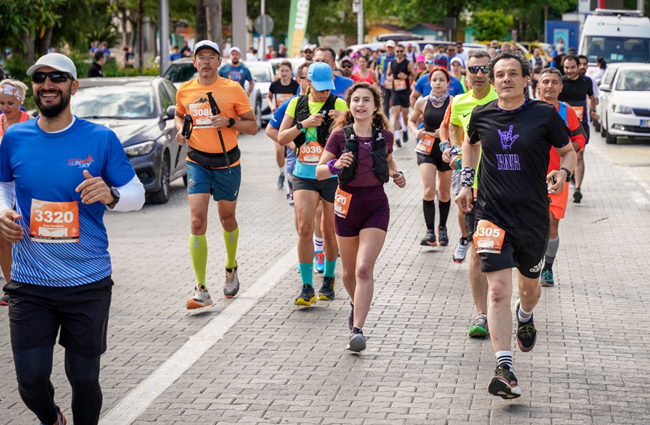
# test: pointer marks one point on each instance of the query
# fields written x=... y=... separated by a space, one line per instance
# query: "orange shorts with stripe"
x=559 y=202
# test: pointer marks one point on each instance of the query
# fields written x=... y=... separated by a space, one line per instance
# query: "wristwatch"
x=568 y=173
x=299 y=125
x=231 y=122
x=116 y=198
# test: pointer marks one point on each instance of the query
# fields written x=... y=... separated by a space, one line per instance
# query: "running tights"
x=33 y=369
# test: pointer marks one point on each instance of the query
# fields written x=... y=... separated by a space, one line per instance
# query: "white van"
x=617 y=36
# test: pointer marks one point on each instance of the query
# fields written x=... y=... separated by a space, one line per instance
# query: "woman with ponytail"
x=359 y=151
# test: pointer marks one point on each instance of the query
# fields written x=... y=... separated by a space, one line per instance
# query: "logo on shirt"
x=235 y=75
x=81 y=163
x=507 y=138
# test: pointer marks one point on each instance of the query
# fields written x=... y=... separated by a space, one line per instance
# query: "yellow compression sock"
x=231 y=238
x=199 y=254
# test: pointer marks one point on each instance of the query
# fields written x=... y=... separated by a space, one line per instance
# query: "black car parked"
x=140 y=110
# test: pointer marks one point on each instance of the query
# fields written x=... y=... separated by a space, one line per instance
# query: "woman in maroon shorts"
x=359 y=150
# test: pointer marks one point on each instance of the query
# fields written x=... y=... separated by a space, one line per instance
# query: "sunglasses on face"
x=399 y=51
x=476 y=69
x=55 y=77
x=429 y=62
x=347 y=65
x=308 y=51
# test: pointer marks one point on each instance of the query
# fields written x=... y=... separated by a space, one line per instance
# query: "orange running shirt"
x=232 y=100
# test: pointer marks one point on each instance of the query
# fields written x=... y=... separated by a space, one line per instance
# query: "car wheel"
x=162 y=195
x=258 y=113
x=609 y=139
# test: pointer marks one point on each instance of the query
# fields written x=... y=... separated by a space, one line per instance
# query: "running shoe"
x=60 y=417
x=357 y=341
x=479 y=327
x=443 y=238
x=327 y=290
x=4 y=300
x=351 y=318
x=526 y=332
x=429 y=239
x=319 y=261
x=461 y=251
x=306 y=297
x=406 y=136
x=281 y=181
x=200 y=299
x=504 y=384
x=231 y=286
x=577 y=196
x=547 y=278
x=398 y=143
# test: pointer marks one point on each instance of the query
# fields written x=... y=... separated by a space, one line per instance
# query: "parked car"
x=607 y=78
x=625 y=108
x=182 y=70
x=140 y=110
x=263 y=75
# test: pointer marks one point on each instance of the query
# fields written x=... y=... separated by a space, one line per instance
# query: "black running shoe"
x=4 y=300
x=443 y=237
x=429 y=239
x=526 y=332
x=357 y=341
x=327 y=290
x=351 y=318
x=306 y=297
x=577 y=196
x=406 y=136
x=504 y=384
x=398 y=143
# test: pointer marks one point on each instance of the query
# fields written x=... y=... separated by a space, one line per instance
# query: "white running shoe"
x=231 y=287
x=461 y=251
x=200 y=299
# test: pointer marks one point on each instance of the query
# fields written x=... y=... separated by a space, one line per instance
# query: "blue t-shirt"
x=423 y=86
x=175 y=56
x=382 y=62
x=275 y=122
x=49 y=167
x=239 y=73
x=341 y=85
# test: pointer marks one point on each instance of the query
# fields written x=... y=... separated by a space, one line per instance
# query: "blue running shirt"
x=49 y=167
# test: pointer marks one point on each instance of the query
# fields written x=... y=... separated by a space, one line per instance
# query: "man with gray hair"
x=512 y=136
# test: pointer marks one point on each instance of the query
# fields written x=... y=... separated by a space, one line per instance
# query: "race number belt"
x=425 y=145
x=54 y=222
x=310 y=154
x=342 y=203
x=488 y=237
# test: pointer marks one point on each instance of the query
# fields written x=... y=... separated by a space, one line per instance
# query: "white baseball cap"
x=206 y=44
x=234 y=49
x=54 y=60
x=390 y=43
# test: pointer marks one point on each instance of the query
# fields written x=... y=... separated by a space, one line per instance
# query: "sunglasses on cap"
x=476 y=69
x=55 y=77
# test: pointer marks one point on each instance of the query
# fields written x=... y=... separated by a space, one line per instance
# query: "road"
x=258 y=359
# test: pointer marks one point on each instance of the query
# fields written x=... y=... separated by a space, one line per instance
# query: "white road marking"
x=138 y=400
x=639 y=198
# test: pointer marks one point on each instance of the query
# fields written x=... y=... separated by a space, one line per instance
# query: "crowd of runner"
x=494 y=132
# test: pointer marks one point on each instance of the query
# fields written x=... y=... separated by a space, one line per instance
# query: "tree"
x=492 y=25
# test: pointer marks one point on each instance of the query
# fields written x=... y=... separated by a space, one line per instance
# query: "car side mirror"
x=605 y=88
x=171 y=112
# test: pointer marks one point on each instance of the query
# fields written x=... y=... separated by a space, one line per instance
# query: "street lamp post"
x=163 y=19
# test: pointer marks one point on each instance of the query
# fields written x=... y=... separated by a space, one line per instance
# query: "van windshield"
x=618 y=49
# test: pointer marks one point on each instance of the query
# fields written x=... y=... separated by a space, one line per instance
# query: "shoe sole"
x=547 y=284
x=303 y=302
x=477 y=332
x=428 y=244
x=325 y=298
x=444 y=243
x=230 y=295
x=4 y=303
x=458 y=260
x=357 y=344
x=193 y=305
x=499 y=387
x=577 y=197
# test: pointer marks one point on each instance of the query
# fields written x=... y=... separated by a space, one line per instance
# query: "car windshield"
x=633 y=80
x=181 y=72
x=618 y=49
x=260 y=73
x=121 y=102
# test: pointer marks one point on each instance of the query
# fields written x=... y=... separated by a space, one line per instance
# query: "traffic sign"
x=260 y=27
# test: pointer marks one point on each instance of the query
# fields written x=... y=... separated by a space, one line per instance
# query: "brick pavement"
x=281 y=365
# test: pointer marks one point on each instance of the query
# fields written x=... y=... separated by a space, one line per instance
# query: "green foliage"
x=83 y=22
x=26 y=17
x=492 y=25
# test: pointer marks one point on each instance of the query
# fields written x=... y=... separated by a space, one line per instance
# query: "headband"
x=11 y=91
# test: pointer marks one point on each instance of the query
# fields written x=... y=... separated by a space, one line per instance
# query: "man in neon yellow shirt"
x=461 y=111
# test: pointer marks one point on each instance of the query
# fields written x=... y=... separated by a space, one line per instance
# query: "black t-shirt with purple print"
x=512 y=190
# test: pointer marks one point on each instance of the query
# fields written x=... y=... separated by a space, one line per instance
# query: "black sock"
x=444 y=212
x=548 y=262
x=429 y=208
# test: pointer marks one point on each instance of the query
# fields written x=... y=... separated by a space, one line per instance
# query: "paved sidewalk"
x=280 y=364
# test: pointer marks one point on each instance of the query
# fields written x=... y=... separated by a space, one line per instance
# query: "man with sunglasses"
x=513 y=137
x=461 y=111
x=66 y=172
x=308 y=53
x=346 y=67
x=401 y=72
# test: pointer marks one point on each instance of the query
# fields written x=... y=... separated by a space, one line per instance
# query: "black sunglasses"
x=347 y=65
x=55 y=77
x=476 y=69
x=399 y=51
x=308 y=51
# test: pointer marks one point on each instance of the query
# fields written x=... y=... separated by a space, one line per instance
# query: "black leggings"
x=33 y=370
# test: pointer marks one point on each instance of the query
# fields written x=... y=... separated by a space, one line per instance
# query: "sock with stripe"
x=318 y=244
x=231 y=239
x=524 y=316
x=199 y=254
x=504 y=359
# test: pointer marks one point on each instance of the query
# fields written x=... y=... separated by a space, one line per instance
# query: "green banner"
x=297 y=26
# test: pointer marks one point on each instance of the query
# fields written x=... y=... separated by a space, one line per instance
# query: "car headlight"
x=620 y=109
x=140 y=148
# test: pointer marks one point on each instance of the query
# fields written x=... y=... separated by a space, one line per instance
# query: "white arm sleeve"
x=131 y=196
x=7 y=195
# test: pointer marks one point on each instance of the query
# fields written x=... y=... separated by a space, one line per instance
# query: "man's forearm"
x=470 y=154
x=246 y=126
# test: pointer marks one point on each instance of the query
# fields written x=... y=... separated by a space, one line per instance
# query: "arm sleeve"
x=131 y=196
x=335 y=142
x=7 y=195
x=558 y=131
x=278 y=115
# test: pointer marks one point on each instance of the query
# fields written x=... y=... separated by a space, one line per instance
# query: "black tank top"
x=433 y=116
x=400 y=67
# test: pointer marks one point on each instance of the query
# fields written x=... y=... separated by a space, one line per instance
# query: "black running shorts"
x=400 y=98
x=325 y=188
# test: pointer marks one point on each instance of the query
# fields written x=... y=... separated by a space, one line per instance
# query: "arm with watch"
x=289 y=129
x=129 y=197
x=557 y=178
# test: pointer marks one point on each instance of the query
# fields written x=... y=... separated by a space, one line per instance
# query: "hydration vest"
x=302 y=113
x=562 y=110
x=378 y=152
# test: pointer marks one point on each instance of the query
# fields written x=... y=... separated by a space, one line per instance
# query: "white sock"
x=398 y=134
x=318 y=244
x=504 y=358
x=281 y=170
x=524 y=316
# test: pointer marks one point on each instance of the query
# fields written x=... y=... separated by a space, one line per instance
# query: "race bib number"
x=399 y=85
x=580 y=111
x=310 y=154
x=388 y=84
x=54 y=222
x=281 y=97
x=342 y=203
x=425 y=145
x=488 y=237
x=201 y=114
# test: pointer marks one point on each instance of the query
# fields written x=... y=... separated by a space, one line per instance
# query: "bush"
x=16 y=68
